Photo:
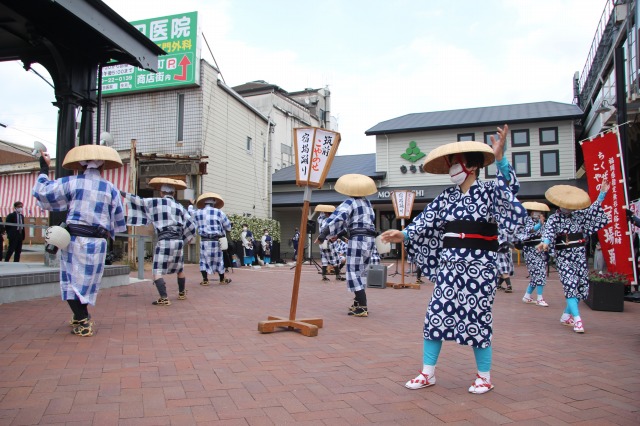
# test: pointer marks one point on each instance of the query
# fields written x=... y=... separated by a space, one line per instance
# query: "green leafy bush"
x=256 y=225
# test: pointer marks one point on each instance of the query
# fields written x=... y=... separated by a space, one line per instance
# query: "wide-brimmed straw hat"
x=436 y=161
x=80 y=153
x=326 y=208
x=568 y=197
x=535 y=206
x=201 y=201
x=157 y=183
x=356 y=185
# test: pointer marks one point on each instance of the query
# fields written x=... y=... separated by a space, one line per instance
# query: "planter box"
x=605 y=296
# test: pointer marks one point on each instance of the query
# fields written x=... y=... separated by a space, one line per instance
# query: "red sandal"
x=422 y=381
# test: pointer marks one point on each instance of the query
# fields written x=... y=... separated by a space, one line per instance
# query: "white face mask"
x=457 y=174
x=565 y=211
x=19 y=210
x=244 y=228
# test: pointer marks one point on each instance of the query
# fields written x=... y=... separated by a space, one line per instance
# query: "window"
x=180 y=117
x=249 y=145
x=549 y=136
x=520 y=138
x=549 y=163
x=107 y=116
x=521 y=163
x=286 y=155
x=264 y=151
x=487 y=137
x=466 y=137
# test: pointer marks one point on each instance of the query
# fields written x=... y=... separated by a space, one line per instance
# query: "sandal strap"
x=484 y=384
x=420 y=381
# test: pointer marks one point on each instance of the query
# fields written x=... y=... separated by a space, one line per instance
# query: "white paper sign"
x=403 y=203
x=325 y=144
x=302 y=139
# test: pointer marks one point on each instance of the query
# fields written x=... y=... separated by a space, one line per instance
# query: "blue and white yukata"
x=340 y=249
x=465 y=279
x=295 y=241
x=166 y=216
x=505 y=257
x=355 y=215
x=90 y=200
x=572 y=262
x=530 y=236
x=266 y=243
x=211 y=224
x=327 y=255
x=247 y=246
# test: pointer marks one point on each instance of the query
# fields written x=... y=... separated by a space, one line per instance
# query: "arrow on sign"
x=184 y=62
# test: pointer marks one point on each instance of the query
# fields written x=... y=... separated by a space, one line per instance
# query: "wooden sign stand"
x=403 y=205
x=313 y=160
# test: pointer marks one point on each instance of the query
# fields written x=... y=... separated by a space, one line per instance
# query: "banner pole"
x=626 y=202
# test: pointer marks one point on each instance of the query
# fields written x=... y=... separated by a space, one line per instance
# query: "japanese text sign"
x=315 y=149
x=403 y=203
x=175 y=34
x=602 y=160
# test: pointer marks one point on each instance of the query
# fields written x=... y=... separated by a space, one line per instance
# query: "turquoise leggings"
x=431 y=351
x=572 y=307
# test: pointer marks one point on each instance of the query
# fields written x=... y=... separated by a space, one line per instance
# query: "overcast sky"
x=380 y=59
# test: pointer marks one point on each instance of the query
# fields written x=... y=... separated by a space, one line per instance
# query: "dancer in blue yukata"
x=211 y=223
x=266 y=243
x=327 y=254
x=505 y=260
x=564 y=237
x=173 y=226
x=95 y=214
x=537 y=262
x=455 y=242
x=356 y=217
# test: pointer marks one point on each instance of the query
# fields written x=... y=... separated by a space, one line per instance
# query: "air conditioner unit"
x=620 y=12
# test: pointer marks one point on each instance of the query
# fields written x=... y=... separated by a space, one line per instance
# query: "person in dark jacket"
x=15 y=234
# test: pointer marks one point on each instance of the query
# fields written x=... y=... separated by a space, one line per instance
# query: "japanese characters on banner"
x=315 y=149
x=403 y=203
x=602 y=159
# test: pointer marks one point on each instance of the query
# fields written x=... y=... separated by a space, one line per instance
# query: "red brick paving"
x=202 y=360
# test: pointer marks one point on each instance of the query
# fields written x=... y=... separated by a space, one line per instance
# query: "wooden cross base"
x=406 y=285
x=307 y=326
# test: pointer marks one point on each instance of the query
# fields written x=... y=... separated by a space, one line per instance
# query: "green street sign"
x=412 y=153
x=175 y=34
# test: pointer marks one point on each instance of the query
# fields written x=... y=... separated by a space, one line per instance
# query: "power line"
x=214 y=58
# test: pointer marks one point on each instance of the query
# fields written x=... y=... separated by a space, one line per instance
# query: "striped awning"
x=17 y=187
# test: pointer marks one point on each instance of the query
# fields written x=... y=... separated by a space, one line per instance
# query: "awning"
x=17 y=187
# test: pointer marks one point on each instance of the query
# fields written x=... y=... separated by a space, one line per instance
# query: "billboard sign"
x=175 y=34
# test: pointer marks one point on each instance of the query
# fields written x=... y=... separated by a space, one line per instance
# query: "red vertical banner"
x=602 y=159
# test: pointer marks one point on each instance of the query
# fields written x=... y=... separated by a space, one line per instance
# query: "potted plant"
x=606 y=291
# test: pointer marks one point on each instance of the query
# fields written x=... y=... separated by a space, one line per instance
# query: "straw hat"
x=157 y=183
x=80 y=153
x=356 y=185
x=436 y=161
x=568 y=197
x=535 y=206
x=219 y=202
x=326 y=208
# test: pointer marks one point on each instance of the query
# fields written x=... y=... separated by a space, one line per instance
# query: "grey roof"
x=364 y=164
x=471 y=117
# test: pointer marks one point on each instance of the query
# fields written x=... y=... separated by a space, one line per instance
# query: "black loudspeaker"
x=311 y=226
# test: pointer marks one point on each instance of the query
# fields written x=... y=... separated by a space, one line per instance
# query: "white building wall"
x=239 y=175
x=389 y=149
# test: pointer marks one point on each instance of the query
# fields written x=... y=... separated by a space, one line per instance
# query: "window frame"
x=542 y=129
x=513 y=161
x=180 y=118
x=249 y=145
x=486 y=139
x=513 y=139
x=550 y=151
x=461 y=135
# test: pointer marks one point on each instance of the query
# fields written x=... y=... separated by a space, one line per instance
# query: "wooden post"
x=308 y=326
x=133 y=189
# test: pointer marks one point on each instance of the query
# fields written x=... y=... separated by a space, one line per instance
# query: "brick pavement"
x=202 y=360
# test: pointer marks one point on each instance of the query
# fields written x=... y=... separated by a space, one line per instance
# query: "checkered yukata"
x=505 y=257
x=327 y=255
x=210 y=222
x=89 y=200
x=355 y=213
x=164 y=213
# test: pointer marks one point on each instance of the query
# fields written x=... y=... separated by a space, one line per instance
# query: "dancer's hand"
x=542 y=247
x=392 y=236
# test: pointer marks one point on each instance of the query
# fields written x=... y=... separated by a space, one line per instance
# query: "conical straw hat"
x=80 y=153
x=535 y=206
x=326 y=208
x=568 y=197
x=356 y=185
x=219 y=202
x=157 y=183
x=436 y=161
